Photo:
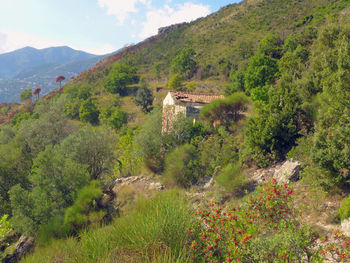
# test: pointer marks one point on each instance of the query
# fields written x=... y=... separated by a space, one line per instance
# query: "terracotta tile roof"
x=195 y=97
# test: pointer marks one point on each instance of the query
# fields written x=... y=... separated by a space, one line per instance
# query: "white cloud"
x=167 y=16
x=10 y=41
x=122 y=8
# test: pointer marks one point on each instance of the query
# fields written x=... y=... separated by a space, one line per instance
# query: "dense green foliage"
x=225 y=111
x=176 y=82
x=88 y=112
x=118 y=78
x=183 y=63
x=144 y=96
x=181 y=166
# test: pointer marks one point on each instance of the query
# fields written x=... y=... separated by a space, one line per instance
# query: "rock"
x=289 y=171
x=345 y=227
x=156 y=186
x=209 y=183
x=22 y=247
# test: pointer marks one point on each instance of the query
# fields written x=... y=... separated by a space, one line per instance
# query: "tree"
x=331 y=70
x=272 y=131
x=150 y=141
x=88 y=112
x=184 y=63
x=271 y=46
x=26 y=95
x=176 y=82
x=60 y=79
x=118 y=78
x=144 y=97
x=92 y=148
x=55 y=181
x=113 y=117
x=261 y=70
x=36 y=92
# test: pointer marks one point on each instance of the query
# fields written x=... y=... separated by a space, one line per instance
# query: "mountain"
x=14 y=62
x=31 y=68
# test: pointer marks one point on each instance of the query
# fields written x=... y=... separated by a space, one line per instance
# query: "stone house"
x=189 y=104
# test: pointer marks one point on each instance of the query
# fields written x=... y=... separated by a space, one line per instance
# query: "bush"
x=181 y=166
x=225 y=111
x=231 y=178
x=77 y=216
x=5 y=227
x=344 y=209
x=264 y=228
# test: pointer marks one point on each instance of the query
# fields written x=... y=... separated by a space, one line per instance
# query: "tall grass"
x=154 y=231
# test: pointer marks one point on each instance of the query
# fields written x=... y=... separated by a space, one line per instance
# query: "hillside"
x=30 y=68
x=229 y=36
x=260 y=175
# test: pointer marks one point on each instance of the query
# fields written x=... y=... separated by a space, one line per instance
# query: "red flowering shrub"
x=264 y=229
x=339 y=249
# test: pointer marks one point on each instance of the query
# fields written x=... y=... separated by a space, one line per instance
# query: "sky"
x=94 y=26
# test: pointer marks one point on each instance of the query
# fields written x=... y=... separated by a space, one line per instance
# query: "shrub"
x=231 y=178
x=181 y=166
x=264 y=229
x=344 y=209
x=5 y=227
x=225 y=111
x=77 y=216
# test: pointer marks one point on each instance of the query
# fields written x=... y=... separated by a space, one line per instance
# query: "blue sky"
x=95 y=26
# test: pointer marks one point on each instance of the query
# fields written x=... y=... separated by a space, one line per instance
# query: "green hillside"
x=263 y=175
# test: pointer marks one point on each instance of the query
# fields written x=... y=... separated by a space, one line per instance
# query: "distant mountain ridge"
x=29 y=67
x=14 y=62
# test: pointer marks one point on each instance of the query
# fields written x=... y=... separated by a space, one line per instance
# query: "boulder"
x=289 y=171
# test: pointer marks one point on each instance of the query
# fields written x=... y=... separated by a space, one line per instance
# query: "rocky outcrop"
x=23 y=246
x=289 y=171
x=167 y=29
x=282 y=172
